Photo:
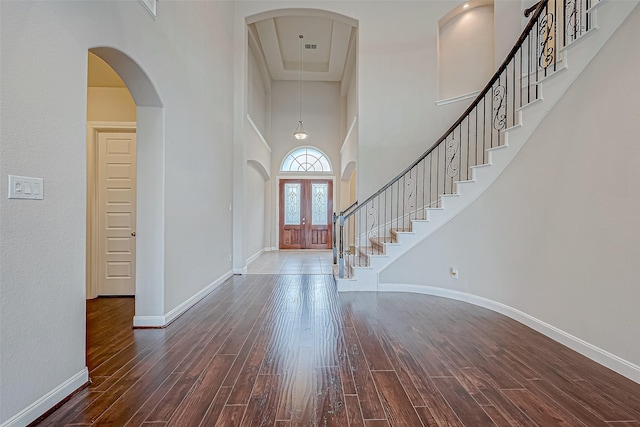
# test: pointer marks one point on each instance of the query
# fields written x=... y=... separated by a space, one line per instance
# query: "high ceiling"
x=278 y=39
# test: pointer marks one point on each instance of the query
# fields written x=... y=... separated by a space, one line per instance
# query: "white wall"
x=258 y=154
x=198 y=149
x=465 y=52
x=556 y=236
x=508 y=23
x=397 y=87
x=254 y=216
x=187 y=54
x=349 y=149
x=258 y=96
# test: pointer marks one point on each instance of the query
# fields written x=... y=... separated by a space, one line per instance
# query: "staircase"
x=562 y=37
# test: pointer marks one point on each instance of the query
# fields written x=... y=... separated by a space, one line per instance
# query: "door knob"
x=133 y=234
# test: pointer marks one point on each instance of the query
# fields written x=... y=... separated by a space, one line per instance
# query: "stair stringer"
x=607 y=16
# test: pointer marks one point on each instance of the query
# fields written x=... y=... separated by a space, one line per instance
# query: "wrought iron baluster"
x=378 y=224
x=404 y=185
x=547 y=42
x=334 y=250
x=484 y=128
x=341 y=260
x=398 y=204
x=417 y=183
x=437 y=172
x=587 y=15
x=475 y=145
x=424 y=183
x=389 y=192
x=528 y=69
x=513 y=95
x=520 y=77
x=430 y=183
x=499 y=114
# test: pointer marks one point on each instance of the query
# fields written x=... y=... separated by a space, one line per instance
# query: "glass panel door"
x=319 y=204
x=305 y=213
x=292 y=203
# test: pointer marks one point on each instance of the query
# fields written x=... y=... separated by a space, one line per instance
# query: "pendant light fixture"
x=300 y=134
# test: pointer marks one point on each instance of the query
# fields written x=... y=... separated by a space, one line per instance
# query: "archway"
x=149 y=227
x=270 y=78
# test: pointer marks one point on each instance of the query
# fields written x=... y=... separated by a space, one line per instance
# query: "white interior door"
x=116 y=209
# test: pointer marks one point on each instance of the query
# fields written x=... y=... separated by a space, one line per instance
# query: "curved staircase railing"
x=366 y=228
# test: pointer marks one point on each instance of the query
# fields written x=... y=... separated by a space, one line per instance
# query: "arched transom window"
x=306 y=159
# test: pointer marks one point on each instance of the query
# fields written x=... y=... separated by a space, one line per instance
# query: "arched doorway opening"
x=111 y=183
x=272 y=91
x=147 y=243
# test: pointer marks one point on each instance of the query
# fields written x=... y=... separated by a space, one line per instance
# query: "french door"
x=306 y=207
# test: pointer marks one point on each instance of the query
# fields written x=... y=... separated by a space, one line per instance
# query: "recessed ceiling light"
x=465 y=6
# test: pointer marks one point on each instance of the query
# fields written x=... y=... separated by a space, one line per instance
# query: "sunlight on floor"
x=292 y=262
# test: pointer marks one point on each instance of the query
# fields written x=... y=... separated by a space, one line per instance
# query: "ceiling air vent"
x=310 y=46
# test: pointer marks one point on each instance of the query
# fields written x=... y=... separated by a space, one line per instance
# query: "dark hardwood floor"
x=289 y=351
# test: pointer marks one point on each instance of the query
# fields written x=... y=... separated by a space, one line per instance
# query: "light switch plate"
x=24 y=187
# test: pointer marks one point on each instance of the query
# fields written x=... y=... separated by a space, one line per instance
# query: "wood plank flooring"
x=276 y=350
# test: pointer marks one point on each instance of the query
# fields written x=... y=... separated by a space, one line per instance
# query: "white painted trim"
x=179 y=310
x=151 y=6
x=93 y=131
x=584 y=35
x=163 y=321
x=240 y=271
x=255 y=256
x=254 y=48
x=48 y=401
x=148 y=322
x=264 y=141
x=346 y=138
x=457 y=98
x=603 y=357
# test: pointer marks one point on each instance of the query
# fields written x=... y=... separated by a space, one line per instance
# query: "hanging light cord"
x=301 y=66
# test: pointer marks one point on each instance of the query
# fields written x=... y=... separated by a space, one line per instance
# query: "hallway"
x=293 y=262
x=288 y=350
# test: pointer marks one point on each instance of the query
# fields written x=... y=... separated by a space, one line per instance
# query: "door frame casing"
x=93 y=130
x=277 y=197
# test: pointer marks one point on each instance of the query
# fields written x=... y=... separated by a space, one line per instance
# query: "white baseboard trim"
x=48 y=401
x=179 y=310
x=242 y=270
x=148 y=322
x=603 y=357
x=163 y=321
x=255 y=256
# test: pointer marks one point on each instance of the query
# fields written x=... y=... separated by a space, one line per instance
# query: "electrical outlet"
x=454 y=273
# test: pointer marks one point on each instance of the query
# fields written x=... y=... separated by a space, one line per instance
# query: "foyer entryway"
x=292 y=262
x=306 y=206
